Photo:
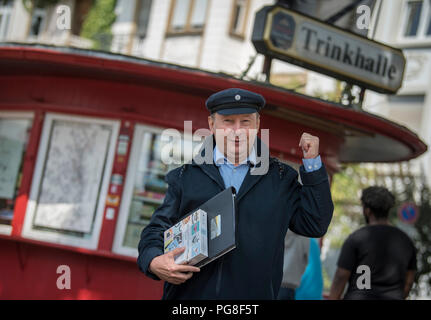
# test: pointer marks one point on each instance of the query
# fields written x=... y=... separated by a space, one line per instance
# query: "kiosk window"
x=14 y=134
x=145 y=182
x=71 y=180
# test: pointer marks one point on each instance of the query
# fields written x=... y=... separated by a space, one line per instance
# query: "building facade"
x=406 y=25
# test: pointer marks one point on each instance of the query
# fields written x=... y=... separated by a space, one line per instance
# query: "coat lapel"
x=208 y=167
x=247 y=184
x=212 y=171
x=250 y=180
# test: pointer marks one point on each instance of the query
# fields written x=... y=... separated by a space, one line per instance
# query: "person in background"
x=295 y=261
x=311 y=287
x=379 y=260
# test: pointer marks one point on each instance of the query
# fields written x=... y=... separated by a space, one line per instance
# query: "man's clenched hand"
x=309 y=145
x=165 y=268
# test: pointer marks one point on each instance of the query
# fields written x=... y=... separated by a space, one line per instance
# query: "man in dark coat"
x=268 y=203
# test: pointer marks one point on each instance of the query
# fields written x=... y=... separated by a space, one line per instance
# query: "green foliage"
x=333 y=95
x=97 y=24
x=326 y=280
x=346 y=191
x=30 y=4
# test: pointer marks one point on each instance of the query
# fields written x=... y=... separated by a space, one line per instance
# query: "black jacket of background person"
x=266 y=206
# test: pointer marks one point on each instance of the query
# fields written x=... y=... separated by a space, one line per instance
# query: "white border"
x=25 y=115
x=52 y=236
x=126 y=198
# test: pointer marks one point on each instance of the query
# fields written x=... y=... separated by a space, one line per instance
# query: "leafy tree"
x=346 y=192
x=334 y=95
x=97 y=25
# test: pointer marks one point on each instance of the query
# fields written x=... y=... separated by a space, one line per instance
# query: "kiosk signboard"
x=302 y=40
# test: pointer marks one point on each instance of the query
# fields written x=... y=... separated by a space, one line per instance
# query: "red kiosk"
x=80 y=167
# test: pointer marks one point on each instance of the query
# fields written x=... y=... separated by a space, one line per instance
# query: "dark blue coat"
x=267 y=205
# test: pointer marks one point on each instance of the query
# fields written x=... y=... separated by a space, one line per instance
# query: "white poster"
x=72 y=176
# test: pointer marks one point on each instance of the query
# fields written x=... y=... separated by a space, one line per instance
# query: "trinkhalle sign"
x=312 y=44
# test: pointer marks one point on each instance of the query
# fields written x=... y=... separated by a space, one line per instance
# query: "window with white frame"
x=71 y=180
x=14 y=134
x=142 y=22
x=239 y=17
x=187 y=16
x=145 y=185
x=38 y=21
x=416 y=24
x=6 y=7
x=143 y=18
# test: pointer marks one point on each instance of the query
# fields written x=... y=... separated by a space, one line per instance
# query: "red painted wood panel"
x=29 y=271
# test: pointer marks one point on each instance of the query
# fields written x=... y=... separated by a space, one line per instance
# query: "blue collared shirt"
x=234 y=175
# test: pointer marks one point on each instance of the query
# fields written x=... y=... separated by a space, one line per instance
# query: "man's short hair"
x=379 y=200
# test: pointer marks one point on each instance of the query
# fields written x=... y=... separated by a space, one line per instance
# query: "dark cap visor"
x=228 y=112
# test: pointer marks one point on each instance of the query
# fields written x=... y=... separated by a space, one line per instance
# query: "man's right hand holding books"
x=165 y=268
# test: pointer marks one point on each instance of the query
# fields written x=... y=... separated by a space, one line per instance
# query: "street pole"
x=361 y=97
x=267 y=68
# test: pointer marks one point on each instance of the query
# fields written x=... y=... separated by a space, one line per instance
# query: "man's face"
x=236 y=133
